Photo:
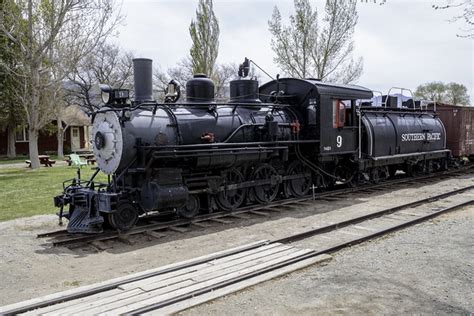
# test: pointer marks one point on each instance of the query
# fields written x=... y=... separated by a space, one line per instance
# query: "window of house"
x=21 y=134
x=75 y=132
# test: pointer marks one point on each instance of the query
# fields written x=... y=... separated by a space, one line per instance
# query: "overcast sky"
x=404 y=43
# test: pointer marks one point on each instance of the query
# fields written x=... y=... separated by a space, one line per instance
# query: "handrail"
x=427 y=103
x=401 y=90
x=381 y=96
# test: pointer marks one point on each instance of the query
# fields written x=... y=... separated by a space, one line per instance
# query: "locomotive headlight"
x=114 y=97
x=106 y=92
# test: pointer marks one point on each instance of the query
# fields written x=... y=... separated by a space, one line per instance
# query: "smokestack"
x=142 y=76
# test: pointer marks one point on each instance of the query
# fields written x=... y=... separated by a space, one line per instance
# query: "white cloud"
x=403 y=43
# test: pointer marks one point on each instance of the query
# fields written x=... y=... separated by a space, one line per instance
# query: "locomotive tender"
x=278 y=140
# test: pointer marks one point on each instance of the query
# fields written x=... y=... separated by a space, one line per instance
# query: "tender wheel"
x=229 y=200
x=429 y=167
x=329 y=182
x=417 y=170
x=124 y=218
x=299 y=186
x=392 y=170
x=265 y=193
x=375 y=175
x=346 y=175
x=318 y=181
x=191 y=209
x=379 y=174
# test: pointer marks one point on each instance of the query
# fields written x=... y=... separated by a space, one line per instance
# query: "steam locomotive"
x=279 y=140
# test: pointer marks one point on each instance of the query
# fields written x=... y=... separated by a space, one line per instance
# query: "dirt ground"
x=424 y=269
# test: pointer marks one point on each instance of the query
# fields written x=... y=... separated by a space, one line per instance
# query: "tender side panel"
x=402 y=133
x=382 y=133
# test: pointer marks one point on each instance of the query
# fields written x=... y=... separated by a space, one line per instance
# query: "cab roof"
x=303 y=87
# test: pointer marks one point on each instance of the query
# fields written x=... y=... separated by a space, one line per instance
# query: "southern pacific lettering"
x=413 y=137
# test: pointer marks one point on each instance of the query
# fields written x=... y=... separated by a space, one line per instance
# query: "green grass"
x=26 y=192
x=21 y=158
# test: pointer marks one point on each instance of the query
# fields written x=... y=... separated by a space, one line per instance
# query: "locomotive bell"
x=200 y=89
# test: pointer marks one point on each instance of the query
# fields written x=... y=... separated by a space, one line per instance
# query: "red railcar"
x=459 y=124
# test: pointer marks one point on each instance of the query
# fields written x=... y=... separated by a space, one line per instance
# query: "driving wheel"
x=230 y=199
x=267 y=192
x=300 y=185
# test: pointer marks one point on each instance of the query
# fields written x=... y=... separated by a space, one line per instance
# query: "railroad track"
x=179 y=286
x=155 y=229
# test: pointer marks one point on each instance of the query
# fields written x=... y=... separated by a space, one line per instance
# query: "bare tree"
x=107 y=64
x=182 y=72
x=306 y=49
x=294 y=44
x=204 y=33
x=11 y=111
x=223 y=75
x=466 y=16
x=47 y=33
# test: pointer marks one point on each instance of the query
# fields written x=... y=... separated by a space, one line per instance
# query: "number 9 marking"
x=339 y=141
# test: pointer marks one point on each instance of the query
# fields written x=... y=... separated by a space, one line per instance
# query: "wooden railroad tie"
x=222 y=221
x=259 y=213
x=178 y=286
x=178 y=229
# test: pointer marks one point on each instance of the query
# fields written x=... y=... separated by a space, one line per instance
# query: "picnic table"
x=89 y=157
x=44 y=160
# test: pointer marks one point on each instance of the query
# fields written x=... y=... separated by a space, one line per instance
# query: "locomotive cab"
x=328 y=110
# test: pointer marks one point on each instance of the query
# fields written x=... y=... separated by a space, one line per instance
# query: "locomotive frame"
x=280 y=140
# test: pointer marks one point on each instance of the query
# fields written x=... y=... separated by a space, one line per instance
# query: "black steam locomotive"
x=278 y=140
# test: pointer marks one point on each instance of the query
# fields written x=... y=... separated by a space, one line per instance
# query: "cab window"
x=338 y=113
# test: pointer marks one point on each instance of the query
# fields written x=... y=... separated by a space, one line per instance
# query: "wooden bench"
x=43 y=160
x=49 y=163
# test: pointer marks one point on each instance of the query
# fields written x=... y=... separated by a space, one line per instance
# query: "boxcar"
x=459 y=124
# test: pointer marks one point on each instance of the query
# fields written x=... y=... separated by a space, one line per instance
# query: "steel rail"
x=363 y=218
x=74 y=239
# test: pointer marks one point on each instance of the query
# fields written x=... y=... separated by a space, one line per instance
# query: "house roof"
x=74 y=116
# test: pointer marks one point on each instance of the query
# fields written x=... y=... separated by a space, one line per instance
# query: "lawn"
x=21 y=158
x=25 y=192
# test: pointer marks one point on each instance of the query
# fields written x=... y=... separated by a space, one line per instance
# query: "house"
x=76 y=136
